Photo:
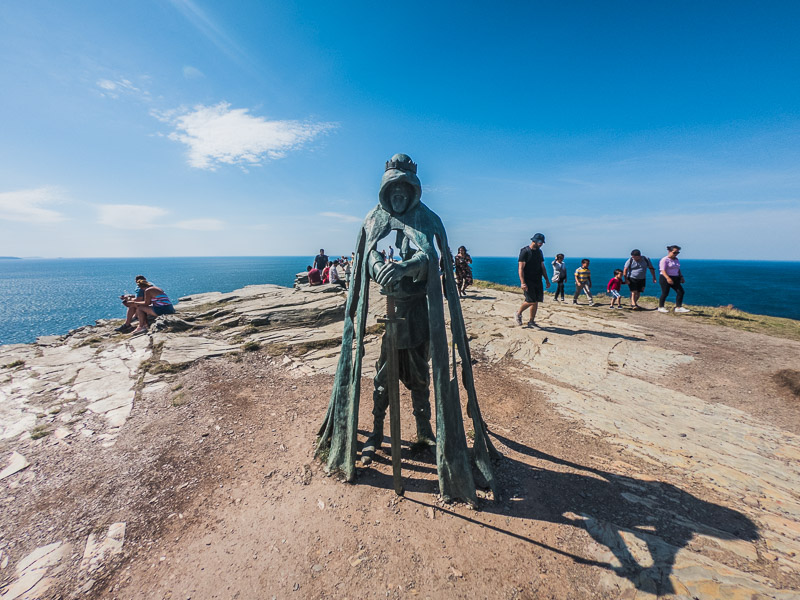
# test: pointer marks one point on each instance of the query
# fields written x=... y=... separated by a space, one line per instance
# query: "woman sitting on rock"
x=154 y=303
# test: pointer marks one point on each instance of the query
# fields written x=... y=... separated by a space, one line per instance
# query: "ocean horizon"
x=51 y=296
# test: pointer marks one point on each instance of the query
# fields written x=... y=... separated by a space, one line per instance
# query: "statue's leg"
x=380 y=402
x=415 y=375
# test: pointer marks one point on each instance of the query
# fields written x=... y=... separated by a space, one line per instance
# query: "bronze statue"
x=415 y=333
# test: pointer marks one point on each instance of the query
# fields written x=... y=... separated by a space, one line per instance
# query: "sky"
x=261 y=128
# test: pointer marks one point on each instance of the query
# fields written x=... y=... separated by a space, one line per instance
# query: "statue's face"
x=400 y=194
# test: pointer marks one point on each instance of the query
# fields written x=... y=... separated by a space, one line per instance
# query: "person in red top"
x=613 y=287
x=314 y=277
x=326 y=274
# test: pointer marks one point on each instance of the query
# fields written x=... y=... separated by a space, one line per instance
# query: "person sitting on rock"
x=314 y=276
x=154 y=303
x=334 y=275
x=127 y=327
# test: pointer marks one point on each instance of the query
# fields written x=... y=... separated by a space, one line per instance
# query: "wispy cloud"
x=27 y=205
x=130 y=216
x=211 y=31
x=220 y=134
x=341 y=217
x=190 y=72
x=201 y=225
x=114 y=88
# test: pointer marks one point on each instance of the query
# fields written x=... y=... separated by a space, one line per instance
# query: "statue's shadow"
x=643 y=523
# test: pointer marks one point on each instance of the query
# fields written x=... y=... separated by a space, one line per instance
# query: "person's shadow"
x=663 y=517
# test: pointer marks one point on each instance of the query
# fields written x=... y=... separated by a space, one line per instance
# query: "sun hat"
x=538 y=237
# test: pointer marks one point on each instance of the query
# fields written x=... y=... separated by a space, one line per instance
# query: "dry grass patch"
x=788 y=379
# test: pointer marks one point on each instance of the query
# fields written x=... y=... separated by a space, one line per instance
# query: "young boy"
x=613 y=287
x=583 y=282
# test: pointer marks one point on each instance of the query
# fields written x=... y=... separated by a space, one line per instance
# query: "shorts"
x=535 y=291
x=636 y=285
x=164 y=310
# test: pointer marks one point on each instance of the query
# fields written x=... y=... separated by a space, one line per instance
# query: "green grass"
x=281 y=348
x=251 y=346
x=39 y=431
x=488 y=285
x=15 y=364
x=91 y=341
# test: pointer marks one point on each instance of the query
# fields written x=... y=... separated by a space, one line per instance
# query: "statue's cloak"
x=337 y=436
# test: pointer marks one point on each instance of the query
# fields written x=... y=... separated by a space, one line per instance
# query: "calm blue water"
x=52 y=296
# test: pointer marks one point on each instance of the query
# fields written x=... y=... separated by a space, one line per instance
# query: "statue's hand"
x=390 y=273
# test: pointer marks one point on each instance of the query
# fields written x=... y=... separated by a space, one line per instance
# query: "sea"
x=53 y=296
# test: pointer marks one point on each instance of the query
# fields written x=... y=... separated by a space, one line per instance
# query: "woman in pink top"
x=670 y=276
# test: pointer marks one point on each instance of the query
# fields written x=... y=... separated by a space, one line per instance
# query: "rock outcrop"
x=598 y=371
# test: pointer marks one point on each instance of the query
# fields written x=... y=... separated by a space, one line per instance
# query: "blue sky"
x=192 y=128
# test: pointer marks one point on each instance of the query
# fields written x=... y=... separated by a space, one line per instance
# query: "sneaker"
x=531 y=325
x=680 y=309
x=662 y=309
x=574 y=301
x=124 y=328
x=140 y=331
x=518 y=319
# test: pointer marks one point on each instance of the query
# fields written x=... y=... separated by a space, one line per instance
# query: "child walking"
x=613 y=287
x=583 y=282
x=559 y=276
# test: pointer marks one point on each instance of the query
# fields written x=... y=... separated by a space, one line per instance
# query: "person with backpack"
x=634 y=273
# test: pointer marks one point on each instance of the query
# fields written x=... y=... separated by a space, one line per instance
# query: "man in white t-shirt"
x=334 y=275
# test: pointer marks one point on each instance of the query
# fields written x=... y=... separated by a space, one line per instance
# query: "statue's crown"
x=403 y=163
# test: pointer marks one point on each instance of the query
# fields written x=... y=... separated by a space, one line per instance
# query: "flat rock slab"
x=180 y=350
x=16 y=463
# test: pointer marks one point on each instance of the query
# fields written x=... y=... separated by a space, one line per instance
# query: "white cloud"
x=130 y=216
x=201 y=225
x=26 y=205
x=341 y=217
x=221 y=135
x=190 y=72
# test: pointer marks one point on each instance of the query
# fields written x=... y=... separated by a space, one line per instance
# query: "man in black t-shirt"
x=531 y=272
x=320 y=260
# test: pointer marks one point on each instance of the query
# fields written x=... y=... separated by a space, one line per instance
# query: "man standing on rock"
x=320 y=260
x=531 y=272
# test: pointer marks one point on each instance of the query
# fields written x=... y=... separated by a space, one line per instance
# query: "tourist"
x=326 y=273
x=613 y=287
x=531 y=271
x=559 y=276
x=154 y=303
x=670 y=276
x=583 y=282
x=129 y=318
x=463 y=271
x=314 y=277
x=346 y=269
x=333 y=274
x=391 y=254
x=320 y=260
x=634 y=273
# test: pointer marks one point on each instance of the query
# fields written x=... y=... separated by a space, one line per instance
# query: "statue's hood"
x=398 y=174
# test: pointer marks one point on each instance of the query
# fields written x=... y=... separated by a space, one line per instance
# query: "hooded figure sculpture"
x=415 y=286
